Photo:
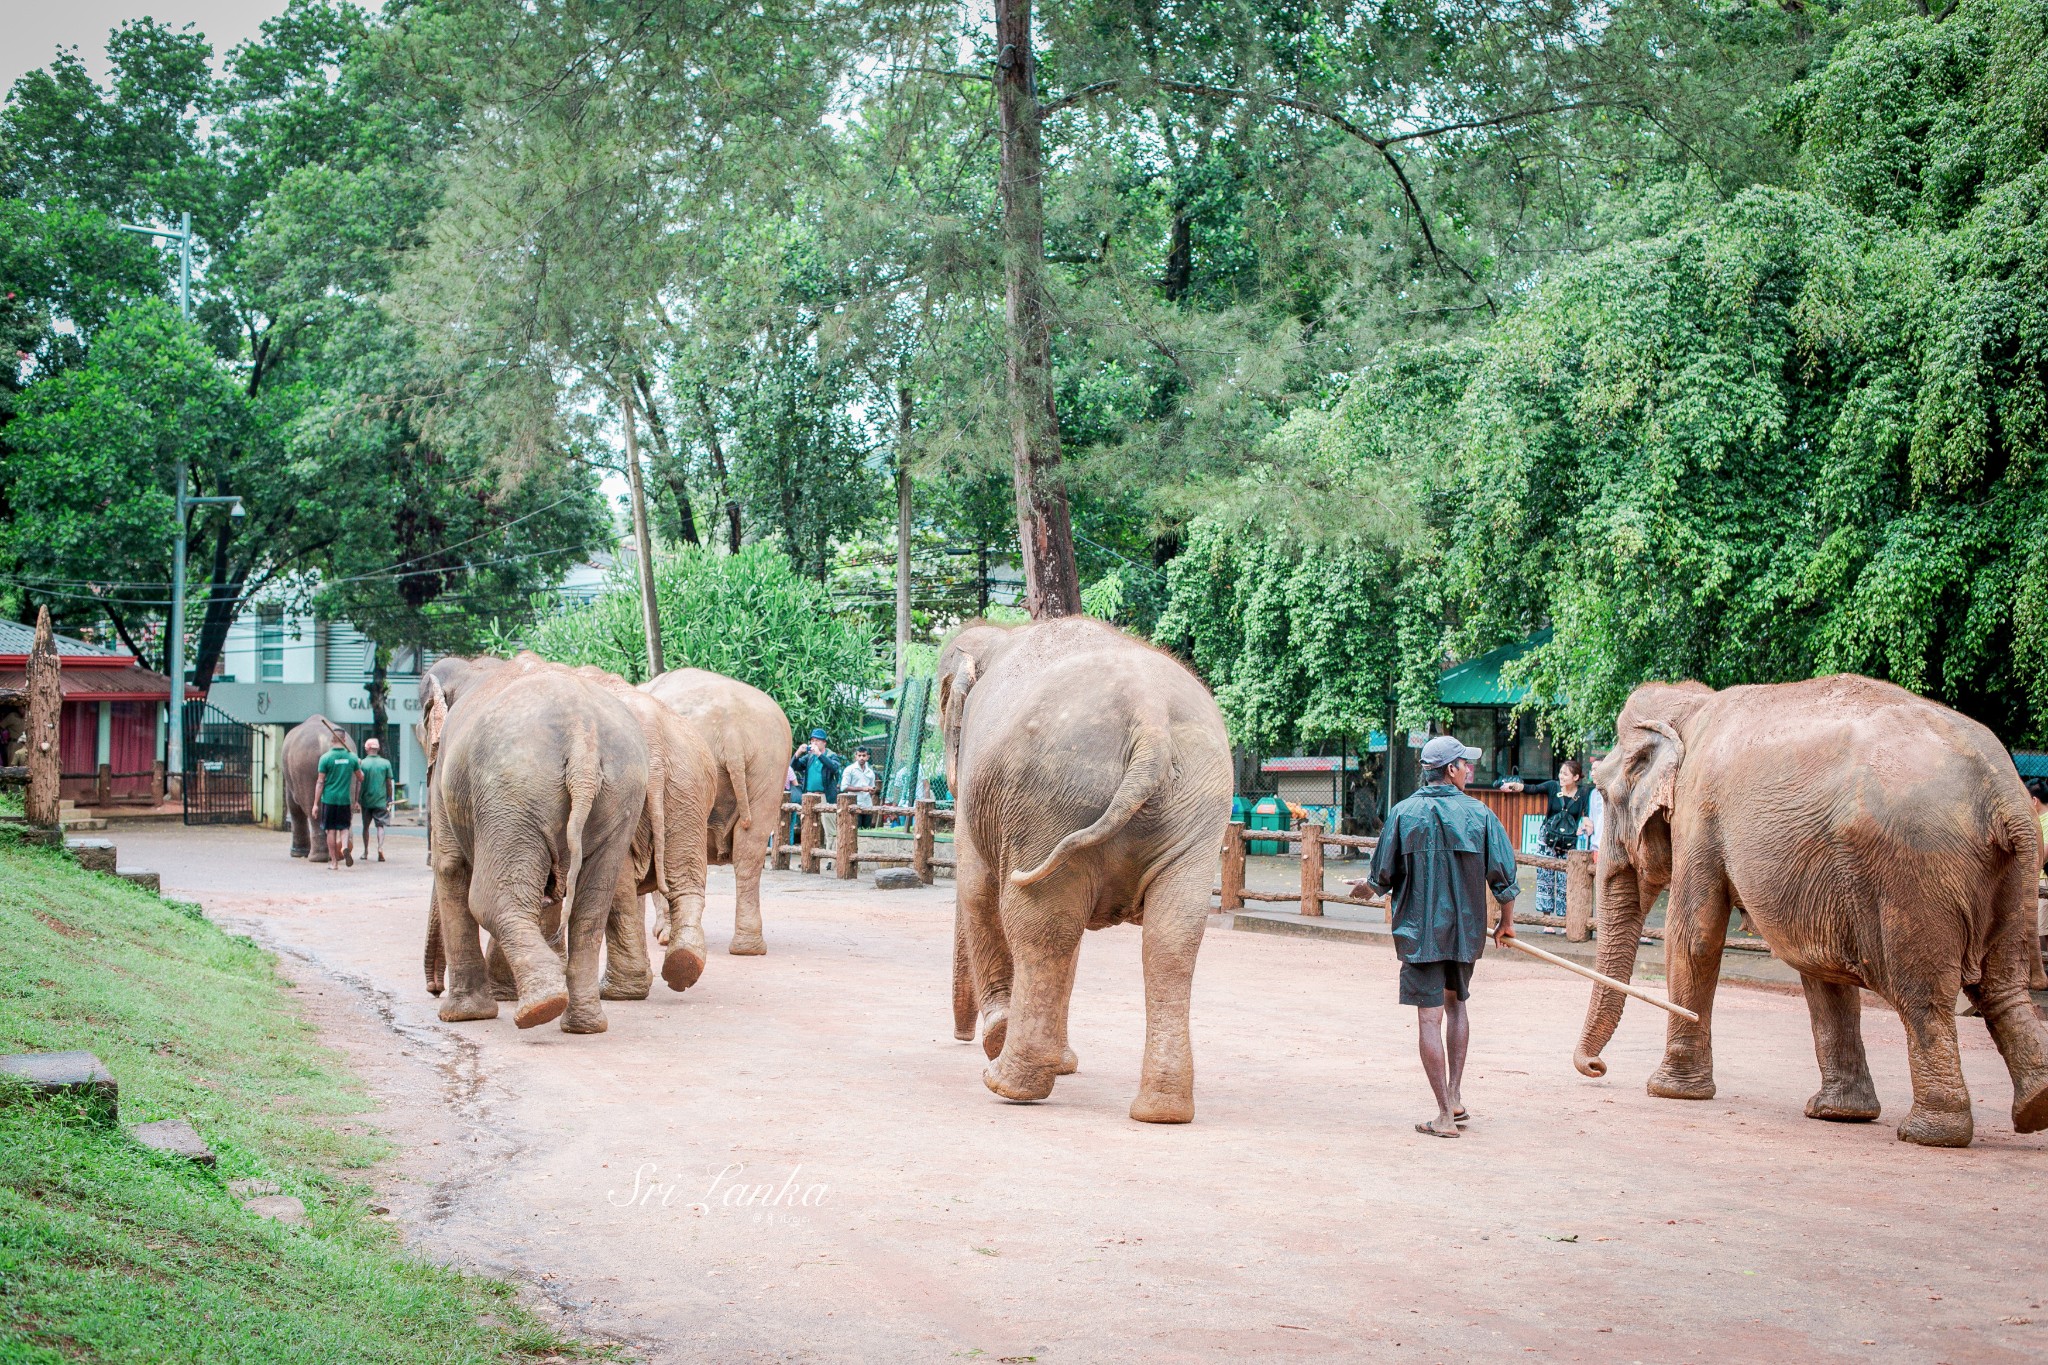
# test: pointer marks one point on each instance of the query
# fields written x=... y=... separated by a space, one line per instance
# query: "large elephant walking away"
x=1877 y=840
x=300 y=760
x=669 y=851
x=1092 y=777
x=748 y=737
x=541 y=783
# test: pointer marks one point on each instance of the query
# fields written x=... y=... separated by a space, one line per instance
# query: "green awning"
x=1476 y=682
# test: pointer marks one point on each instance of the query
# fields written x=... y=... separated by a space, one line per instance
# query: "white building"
x=278 y=669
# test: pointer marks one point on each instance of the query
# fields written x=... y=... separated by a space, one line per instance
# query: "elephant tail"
x=581 y=778
x=736 y=775
x=1147 y=772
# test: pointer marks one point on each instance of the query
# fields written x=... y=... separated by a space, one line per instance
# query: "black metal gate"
x=218 y=755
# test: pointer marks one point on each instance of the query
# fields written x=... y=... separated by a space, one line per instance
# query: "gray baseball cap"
x=1445 y=750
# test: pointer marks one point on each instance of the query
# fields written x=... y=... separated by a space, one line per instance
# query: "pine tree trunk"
x=903 y=413
x=1045 y=532
x=650 y=609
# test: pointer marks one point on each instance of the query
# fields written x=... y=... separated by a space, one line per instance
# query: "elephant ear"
x=435 y=715
x=1650 y=761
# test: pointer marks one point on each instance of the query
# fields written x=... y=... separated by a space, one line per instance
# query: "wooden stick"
x=1635 y=992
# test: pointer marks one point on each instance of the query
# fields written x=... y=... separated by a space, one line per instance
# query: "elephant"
x=541 y=786
x=446 y=680
x=749 y=739
x=670 y=852
x=299 y=761
x=1876 y=839
x=1092 y=779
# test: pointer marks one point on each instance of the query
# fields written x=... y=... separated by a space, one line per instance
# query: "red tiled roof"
x=100 y=684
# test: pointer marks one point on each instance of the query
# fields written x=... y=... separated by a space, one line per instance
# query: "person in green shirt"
x=338 y=768
x=377 y=787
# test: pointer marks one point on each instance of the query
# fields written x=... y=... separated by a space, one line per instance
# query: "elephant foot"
x=459 y=1011
x=1844 y=1104
x=1163 y=1106
x=1670 y=1084
x=681 y=967
x=2030 y=1110
x=747 y=945
x=317 y=856
x=1020 y=1083
x=1070 y=1062
x=545 y=1010
x=608 y=989
x=298 y=853
x=585 y=1021
x=1938 y=1127
x=504 y=990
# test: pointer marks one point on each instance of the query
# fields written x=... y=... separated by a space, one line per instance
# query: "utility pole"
x=650 y=609
x=1045 y=532
x=174 y=647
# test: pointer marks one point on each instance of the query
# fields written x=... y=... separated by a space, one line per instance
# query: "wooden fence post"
x=103 y=785
x=1232 y=894
x=1312 y=868
x=1578 y=895
x=45 y=706
x=846 y=840
x=808 y=831
x=921 y=840
x=778 y=841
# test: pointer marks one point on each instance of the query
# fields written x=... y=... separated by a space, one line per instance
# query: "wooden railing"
x=845 y=853
x=1578 y=921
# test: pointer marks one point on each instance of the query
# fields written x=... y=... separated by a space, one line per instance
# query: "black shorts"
x=334 y=819
x=1424 y=983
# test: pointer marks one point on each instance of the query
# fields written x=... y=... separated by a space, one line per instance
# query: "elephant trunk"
x=966 y=1007
x=1623 y=906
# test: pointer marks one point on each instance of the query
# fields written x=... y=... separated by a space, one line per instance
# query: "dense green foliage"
x=1794 y=429
x=110 y=1253
x=749 y=616
x=305 y=165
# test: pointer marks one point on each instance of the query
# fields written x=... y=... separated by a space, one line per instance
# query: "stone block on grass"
x=174 y=1137
x=283 y=1207
x=77 y=1078
x=896 y=879
x=147 y=880
x=94 y=855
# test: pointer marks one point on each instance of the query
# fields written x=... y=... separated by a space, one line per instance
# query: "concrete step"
x=82 y=822
x=147 y=880
x=76 y=1078
x=94 y=855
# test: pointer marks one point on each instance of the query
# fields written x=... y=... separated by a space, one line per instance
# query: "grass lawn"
x=108 y=1252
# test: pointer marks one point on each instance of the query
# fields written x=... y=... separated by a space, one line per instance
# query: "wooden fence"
x=1578 y=920
x=43 y=699
x=811 y=852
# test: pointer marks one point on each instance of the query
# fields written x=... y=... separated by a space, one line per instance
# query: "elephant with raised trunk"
x=300 y=761
x=540 y=787
x=748 y=737
x=1877 y=840
x=1092 y=777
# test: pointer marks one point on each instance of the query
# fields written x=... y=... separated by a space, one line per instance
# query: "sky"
x=31 y=31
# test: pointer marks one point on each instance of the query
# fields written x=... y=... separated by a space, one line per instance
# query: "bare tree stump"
x=1578 y=895
x=1231 y=894
x=846 y=840
x=45 y=706
x=921 y=840
x=1312 y=868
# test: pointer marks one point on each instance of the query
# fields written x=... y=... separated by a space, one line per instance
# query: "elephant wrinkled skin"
x=540 y=785
x=1092 y=776
x=748 y=738
x=1876 y=840
x=300 y=761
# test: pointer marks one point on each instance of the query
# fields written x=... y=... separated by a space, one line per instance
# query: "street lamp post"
x=174 y=654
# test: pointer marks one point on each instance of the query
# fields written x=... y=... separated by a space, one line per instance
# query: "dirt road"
x=892 y=1209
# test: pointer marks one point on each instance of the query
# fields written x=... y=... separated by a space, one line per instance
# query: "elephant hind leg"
x=468 y=995
x=2016 y=1028
x=1034 y=1035
x=1176 y=912
x=627 y=974
x=1846 y=1094
x=1940 y=1116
